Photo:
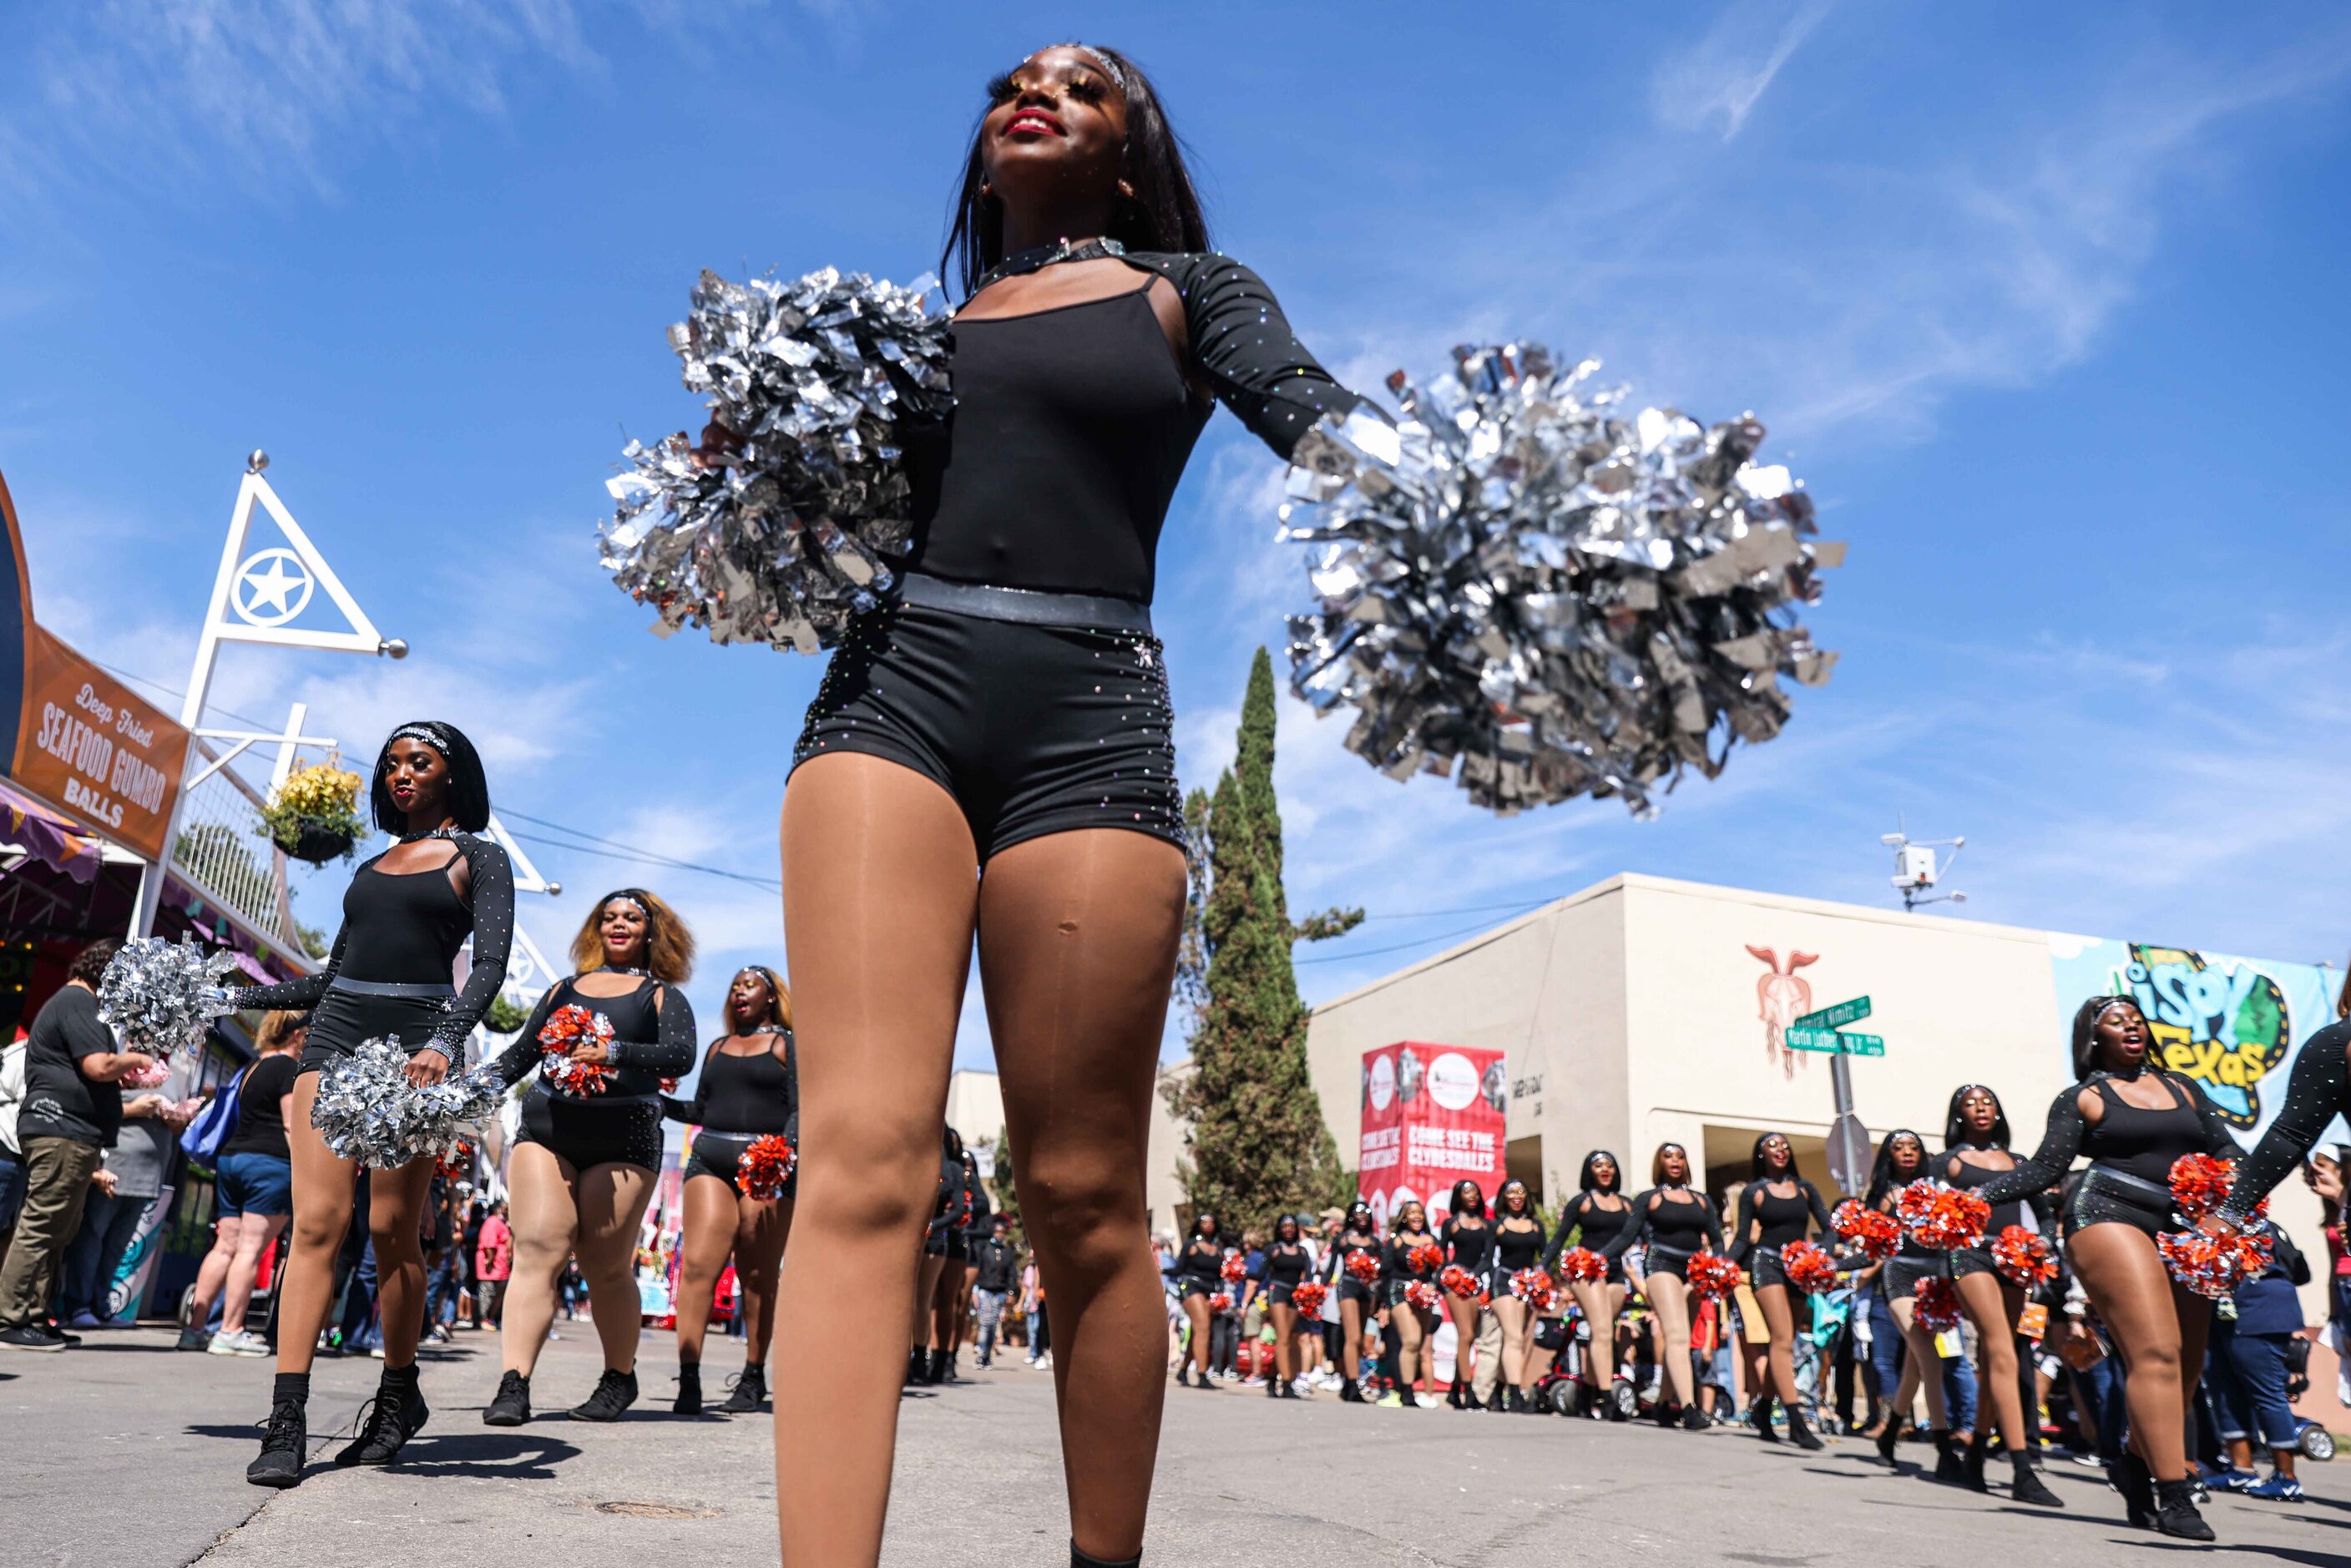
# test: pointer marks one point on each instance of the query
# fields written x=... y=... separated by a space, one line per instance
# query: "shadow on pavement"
x=490 y=1455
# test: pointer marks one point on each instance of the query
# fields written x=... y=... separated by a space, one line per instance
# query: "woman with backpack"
x=253 y=1186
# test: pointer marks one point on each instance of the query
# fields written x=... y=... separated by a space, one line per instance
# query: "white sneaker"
x=1045 y=1361
x=237 y=1343
x=377 y=1352
x=1252 y=1381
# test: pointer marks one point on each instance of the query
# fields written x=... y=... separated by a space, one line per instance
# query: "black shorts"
x=1764 y=1268
x=1278 y=1294
x=1901 y=1275
x=1033 y=729
x=2100 y=1198
x=343 y=1018
x=1664 y=1260
x=1971 y=1260
x=717 y=1153
x=1200 y=1288
x=586 y=1133
x=1353 y=1290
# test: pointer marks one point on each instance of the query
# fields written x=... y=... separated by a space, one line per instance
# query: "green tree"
x=503 y=1017
x=1258 y=1144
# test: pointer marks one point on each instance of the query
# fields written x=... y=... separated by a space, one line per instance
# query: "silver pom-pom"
x=794 y=531
x=366 y=1109
x=1559 y=594
x=164 y=995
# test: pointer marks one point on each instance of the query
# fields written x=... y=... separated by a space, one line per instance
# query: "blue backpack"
x=215 y=1121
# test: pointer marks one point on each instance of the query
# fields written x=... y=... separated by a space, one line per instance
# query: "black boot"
x=1079 y=1560
x=2131 y=1479
x=938 y=1367
x=689 y=1389
x=916 y=1363
x=751 y=1388
x=1285 y=1387
x=1273 y=1385
x=614 y=1392
x=1453 y=1394
x=1890 y=1437
x=1695 y=1420
x=1759 y=1415
x=1972 y=1464
x=1949 y=1467
x=2175 y=1511
x=2026 y=1485
x=510 y=1406
x=1665 y=1413
x=1517 y=1400
x=396 y=1414
x=282 y=1446
x=1799 y=1433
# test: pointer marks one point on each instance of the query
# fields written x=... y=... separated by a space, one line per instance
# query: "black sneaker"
x=2175 y=1512
x=32 y=1336
x=511 y=1406
x=280 y=1463
x=1694 y=1419
x=385 y=1427
x=751 y=1388
x=689 y=1390
x=615 y=1392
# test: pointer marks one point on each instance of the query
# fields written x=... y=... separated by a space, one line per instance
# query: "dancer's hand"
x=591 y=1051
x=426 y=1068
x=720 y=445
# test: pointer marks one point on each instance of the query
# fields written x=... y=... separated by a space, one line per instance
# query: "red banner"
x=1433 y=1115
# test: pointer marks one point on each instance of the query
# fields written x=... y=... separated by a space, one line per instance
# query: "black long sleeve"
x=514 y=1064
x=489 y=892
x=690 y=1111
x=671 y=1052
x=1742 y=1234
x=2317 y=1089
x=1571 y=1222
x=1637 y=1225
x=1713 y=1221
x=298 y=995
x=2059 y=1145
x=1243 y=344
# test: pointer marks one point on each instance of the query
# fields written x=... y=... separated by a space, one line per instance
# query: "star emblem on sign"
x=272 y=587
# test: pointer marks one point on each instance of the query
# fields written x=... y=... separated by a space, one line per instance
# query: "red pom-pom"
x=458 y=1164
x=669 y=1085
x=2198 y=1183
x=1461 y=1281
x=1222 y=1301
x=2023 y=1257
x=1235 y=1269
x=1582 y=1263
x=1422 y=1294
x=1427 y=1257
x=1936 y=1308
x=1712 y=1274
x=1533 y=1287
x=1878 y=1234
x=1307 y=1297
x=765 y=1166
x=1363 y=1266
x=1945 y=1217
x=1807 y=1267
x=2213 y=1266
x=569 y=1026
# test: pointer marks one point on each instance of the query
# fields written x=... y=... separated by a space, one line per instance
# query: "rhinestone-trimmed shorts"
x=1032 y=729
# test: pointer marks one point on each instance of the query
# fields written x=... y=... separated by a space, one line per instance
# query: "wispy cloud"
x=1718 y=79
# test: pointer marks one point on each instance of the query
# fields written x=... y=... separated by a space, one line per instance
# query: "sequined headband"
x=2109 y=1005
x=632 y=901
x=424 y=733
x=1109 y=65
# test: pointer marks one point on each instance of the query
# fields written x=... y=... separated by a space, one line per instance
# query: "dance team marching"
x=966 y=510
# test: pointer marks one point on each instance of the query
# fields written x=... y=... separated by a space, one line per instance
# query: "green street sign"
x=1836 y=1017
x=1798 y=1038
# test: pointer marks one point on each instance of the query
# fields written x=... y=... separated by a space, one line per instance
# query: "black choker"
x=443 y=832
x=626 y=969
x=1038 y=258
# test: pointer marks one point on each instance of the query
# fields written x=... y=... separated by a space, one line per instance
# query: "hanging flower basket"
x=314 y=815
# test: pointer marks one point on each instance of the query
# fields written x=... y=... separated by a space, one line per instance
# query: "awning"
x=61 y=844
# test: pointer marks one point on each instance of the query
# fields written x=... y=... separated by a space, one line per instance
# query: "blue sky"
x=2044 y=303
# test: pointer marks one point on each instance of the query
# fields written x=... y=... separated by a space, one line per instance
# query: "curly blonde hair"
x=669 y=946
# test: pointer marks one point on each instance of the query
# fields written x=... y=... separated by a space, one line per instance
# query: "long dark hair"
x=1955 y=1132
x=1163 y=214
x=1355 y=1210
x=1587 y=1182
x=1197 y=1234
x=1882 y=1175
x=468 y=801
x=2086 y=1033
x=1454 y=1206
x=1502 y=1201
x=1297 y=1231
x=1756 y=1168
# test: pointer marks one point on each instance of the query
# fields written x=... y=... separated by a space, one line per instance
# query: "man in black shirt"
x=999 y=1270
x=73 y=1105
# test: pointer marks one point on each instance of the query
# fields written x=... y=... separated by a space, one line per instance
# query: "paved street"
x=128 y=1455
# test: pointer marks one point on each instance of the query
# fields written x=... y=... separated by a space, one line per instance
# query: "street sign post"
x=1848 y=1141
x=1840 y=1040
x=1838 y=1016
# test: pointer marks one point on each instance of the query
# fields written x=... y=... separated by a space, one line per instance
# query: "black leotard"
x=1965 y=1175
x=1468 y=1245
x=650 y=1041
x=2132 y=1147
x=1515 y=1248
x=1349 y=1244
x=1200 y=1265
x=1783 y=1219
x=753 y=1094
x=1592 y=1226
x=2316 y=1092
x=403 y=930
x=1073 y=425
x=1285 y=1267
x=1671 y=1218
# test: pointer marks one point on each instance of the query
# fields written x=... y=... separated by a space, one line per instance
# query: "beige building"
x=976 y=1109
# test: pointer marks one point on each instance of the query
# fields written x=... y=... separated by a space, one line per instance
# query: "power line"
x=1400 y=947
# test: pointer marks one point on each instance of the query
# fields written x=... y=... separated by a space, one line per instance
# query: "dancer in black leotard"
x=1408 y=1235
x=1286 y=1265
x=1469 y=1237
x=950 y=1206
x=1593 y=1218
x=1901 y=1160
x=1198 y=1265
x=1671 y=1222
x=583 y=1165
x=951 y=1301
x=1518 y=1241
x=1776 y=1207
x=1009 y=715
x=745 y=1092
x=2133 y=1118
x=1975 y=1135
x=406 y=914
x=1359 y=1297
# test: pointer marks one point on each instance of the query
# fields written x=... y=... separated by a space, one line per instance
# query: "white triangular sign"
x=260 y=594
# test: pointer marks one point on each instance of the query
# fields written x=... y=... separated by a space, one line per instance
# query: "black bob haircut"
x=1587 y=1182
x=469 y=790
x=1163 y=214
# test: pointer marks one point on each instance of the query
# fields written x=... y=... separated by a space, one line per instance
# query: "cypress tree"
x=1257 y=1146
